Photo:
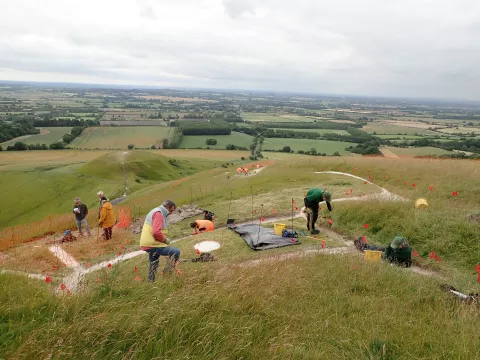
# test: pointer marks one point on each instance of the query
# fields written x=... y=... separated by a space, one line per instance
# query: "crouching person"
x=200 y=226
x=398 y=252
x=154 y=239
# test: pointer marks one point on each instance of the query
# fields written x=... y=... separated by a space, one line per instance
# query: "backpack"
x=289 y=233
x=208 y=215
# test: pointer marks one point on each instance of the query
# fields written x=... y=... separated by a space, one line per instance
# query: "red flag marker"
x=109 y=266
x=54 y=268
x=415 y=253
x=414 y=185
x=365 y=226
x=347 y=193
x=432 y=255
x=48 y=279
x=323 y=244
x=330 y=221
x=365 y=182
x=296 y=208
x=135 y=269
x=273 y=211
x=97 y=279
x=404 y=183
x=254 y=211
x=119 y=253
x=477 y=268
x=455 y=193
x=69 y=293
x=197 y=251
x=137 y=278
x=122 y=247
x=63 y=286
x=430 y=188
x=351 y=190
x=364 y=239
x=262 y=219
x=293 y=201
x=293 y=240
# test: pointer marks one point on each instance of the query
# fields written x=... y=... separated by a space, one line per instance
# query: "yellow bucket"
x=373 y=255
x=278 y=228
x=421 y=204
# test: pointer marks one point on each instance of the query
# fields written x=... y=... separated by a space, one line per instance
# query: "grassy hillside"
x=443 y=228
x=324 y=307
x=31 y=192
x=317 y=307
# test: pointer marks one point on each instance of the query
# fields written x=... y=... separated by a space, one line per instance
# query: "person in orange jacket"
x=107 y=218
x=201 y=226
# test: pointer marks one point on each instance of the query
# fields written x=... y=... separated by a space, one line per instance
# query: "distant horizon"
x=233 y=90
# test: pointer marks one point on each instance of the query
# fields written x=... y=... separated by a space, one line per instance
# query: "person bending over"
x=312 y=200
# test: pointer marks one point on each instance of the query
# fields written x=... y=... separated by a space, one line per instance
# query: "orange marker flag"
x=48 y=279
x=365 y=226
x=135 y=269
x=415 y=253
x=137 y=278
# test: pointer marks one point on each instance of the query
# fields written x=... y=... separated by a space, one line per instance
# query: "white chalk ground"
x=74 y=280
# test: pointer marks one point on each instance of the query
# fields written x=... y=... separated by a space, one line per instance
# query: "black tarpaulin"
x=260 y=238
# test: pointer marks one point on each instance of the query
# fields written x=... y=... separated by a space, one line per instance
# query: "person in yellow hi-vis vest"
x=154 y=239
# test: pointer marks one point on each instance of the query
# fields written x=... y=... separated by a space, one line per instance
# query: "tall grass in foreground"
x=324 y=307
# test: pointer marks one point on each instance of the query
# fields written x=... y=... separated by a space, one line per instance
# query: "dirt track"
x=388 y=153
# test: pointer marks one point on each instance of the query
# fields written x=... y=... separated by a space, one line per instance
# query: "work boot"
x=315 y=232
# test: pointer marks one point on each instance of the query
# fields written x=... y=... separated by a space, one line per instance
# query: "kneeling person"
x=154 y=239
x=202 y=225
x=397 y=252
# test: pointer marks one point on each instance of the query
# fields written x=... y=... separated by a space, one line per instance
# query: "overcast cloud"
x=421 y=48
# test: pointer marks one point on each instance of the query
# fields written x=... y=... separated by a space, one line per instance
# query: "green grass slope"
x=38 y=191
x=323 y=307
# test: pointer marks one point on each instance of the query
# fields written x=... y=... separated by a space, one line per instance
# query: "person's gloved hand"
x=167 y=241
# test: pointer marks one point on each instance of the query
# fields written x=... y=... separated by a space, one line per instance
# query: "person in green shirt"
x=312 y=200
x=398 y=252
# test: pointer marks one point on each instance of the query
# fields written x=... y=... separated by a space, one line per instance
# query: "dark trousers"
x=154 y=254
x=312 y=218
x=107 y=233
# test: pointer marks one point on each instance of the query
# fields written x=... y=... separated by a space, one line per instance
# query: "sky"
x=413 y=48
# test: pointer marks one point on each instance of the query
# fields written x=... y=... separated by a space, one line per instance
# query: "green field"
x=384 y=129
x=50 y=135
x=402 y=137
x=320 y=131
x=420 y=151
x=117 y=137
x=322 y=146
x=461 y=130
x=272 y=117
x=198 y=141
x=238 y=139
